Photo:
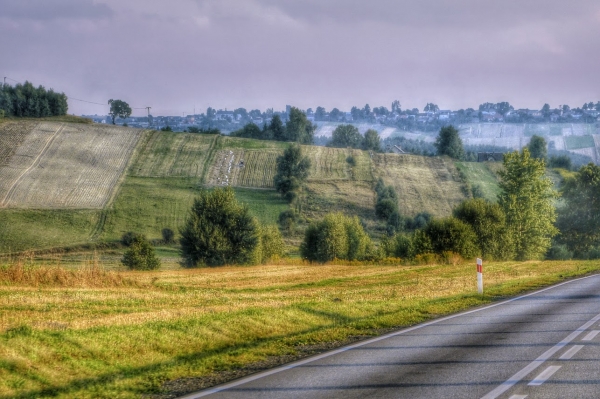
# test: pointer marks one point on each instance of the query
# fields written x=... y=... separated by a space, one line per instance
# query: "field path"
x=35 y=162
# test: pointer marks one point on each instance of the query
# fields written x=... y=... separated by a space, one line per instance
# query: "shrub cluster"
x=336 y=237
x=220 y=231
x=140 y=254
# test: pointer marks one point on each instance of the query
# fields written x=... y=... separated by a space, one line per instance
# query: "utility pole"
x=4 y=82
x=148 y=108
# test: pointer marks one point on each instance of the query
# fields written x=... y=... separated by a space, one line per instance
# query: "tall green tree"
x=371 y=141
x=292 y=169
x=527 y=199
x=346 y=136
x=219 y=231
x=538 y=148
x=118 y=108
x=277 y=128
x=298 y=128
x=579 y=219
x=449 y=143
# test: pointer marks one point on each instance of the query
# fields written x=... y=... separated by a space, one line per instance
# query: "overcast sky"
x=179 y=54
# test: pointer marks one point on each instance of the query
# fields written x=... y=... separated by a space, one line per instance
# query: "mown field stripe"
x=35 y=162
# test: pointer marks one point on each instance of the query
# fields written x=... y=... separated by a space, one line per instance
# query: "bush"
x=419 y=221
x=488 y=221
x=140 y=255
x=271 y=245
x=477 y=191
x=559 y=252
x=449 y=234
x=219 y=231
x=351 y=160
x=387 y=200
x=2 y=113
x=395 y=223
x=168 y=235
x=287 y=220
x=399 y=246
x=385 y=208
x=336 y=237
x=593 y=253
x=128 y=238
x=560 y=161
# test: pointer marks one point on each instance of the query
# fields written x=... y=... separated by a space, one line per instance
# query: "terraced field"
x=61 y=166
x=163 y=154
x=243 y=168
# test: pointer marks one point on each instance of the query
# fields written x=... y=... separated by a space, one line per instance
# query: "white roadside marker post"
x=479 y=276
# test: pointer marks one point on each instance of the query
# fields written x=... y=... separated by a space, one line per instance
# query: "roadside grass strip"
x=131 y=335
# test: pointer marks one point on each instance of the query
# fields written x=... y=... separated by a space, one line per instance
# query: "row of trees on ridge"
x=25 y=100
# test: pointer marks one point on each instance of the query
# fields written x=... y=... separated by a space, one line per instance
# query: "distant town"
x=431 y=118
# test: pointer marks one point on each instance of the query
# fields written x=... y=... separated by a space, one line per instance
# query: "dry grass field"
x=429 y=184
x=61 y=166
x=89 y=333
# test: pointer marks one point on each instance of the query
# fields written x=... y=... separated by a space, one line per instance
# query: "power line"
x=76 y=99
x=84 y=101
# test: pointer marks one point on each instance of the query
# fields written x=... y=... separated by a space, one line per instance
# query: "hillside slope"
x=51 y=165
x=75 y=178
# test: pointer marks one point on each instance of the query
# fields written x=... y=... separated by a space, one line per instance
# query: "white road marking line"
x=254 y=377
x=506 y=385
x=571 y=352
x=591 y=335
x=544 y=375
x=518 y=397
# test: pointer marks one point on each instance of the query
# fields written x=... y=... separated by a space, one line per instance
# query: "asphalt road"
x=542 y=345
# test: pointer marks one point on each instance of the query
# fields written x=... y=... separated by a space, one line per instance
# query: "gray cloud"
x=268 y=53
x=45 y=10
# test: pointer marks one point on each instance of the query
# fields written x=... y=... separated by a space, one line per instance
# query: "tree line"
x=296 y=129
x=25 y=100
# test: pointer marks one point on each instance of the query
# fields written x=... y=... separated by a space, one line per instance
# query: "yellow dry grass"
x=181 y=323
x=429 y=184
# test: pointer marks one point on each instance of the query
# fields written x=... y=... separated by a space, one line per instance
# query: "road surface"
x=542 y=345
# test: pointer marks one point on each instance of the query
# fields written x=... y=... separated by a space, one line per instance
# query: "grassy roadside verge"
x=155 y=333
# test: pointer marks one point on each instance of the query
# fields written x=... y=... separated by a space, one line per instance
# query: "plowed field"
x=56 y=165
